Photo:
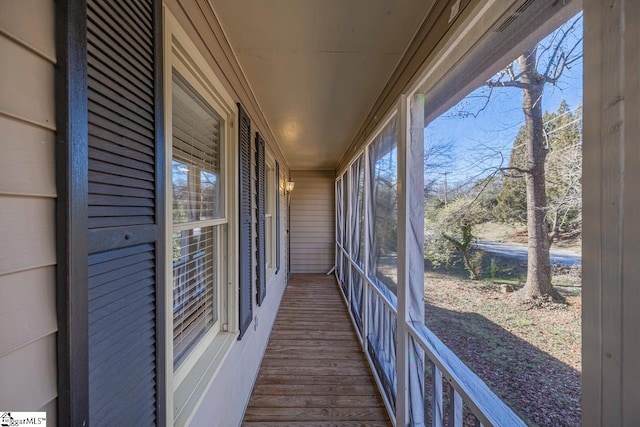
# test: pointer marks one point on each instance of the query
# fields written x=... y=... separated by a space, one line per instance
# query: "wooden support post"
x=365 y=282
x=346 y=244
x=409 y=357
x=611 y=208
x=402 y=337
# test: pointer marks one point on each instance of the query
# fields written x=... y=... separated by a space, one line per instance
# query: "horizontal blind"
x=194 y=287
x=196 y=165
x=196 y=127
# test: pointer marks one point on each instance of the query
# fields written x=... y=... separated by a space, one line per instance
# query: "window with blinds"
x=199 y=223
x=270 y=220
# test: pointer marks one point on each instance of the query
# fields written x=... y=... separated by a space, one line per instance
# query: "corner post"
x=611 y=235
x=409 y=357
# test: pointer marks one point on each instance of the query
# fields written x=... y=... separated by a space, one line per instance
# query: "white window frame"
x=185 y=385
x=271 y=187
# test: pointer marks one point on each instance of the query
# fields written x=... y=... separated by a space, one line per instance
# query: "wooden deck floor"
x=314 y=372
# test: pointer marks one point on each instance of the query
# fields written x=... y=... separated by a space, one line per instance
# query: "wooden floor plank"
x=314 y=372
x=309 y=363
x=338 y=345
x=314 y=379
x=318 y=401
x=316 y=356
x=366 y=389
x=313 y=414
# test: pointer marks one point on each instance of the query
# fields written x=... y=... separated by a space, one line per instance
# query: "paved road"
x=514 y=250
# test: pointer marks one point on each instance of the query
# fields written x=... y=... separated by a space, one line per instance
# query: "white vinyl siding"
x=27 y=218
x=312 y=221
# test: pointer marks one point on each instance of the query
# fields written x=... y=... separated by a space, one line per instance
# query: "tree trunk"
x=539 y=269
x=469 y=265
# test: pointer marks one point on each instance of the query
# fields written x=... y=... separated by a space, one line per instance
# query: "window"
x=270 y=216
x=202 y=225
x=197 y=173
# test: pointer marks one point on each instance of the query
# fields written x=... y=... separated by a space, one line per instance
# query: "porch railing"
x=453 y=386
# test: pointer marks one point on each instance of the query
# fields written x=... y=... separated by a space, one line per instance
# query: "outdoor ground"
x=529 y=356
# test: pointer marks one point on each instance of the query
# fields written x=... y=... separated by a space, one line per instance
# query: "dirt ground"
x=530 y=356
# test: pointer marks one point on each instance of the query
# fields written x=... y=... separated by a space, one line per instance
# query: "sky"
x=473 y=139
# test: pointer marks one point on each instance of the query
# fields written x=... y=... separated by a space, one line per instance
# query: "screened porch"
x=379 y=263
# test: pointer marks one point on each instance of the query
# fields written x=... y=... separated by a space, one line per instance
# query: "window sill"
x=190 y=392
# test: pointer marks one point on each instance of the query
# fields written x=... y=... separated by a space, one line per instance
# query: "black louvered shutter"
x=125 y=206
x=277 y=208
x=261 y=259
x=244 y=168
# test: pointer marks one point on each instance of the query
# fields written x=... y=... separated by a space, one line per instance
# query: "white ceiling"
x=317 y=66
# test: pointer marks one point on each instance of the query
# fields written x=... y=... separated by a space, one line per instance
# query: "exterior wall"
x=229 y=390
x=312 y=221
x=28 y=322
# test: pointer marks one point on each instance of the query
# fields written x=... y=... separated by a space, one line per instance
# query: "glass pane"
x=210 y=195
x=195 y=287
x=182 y=208
x=196 y=193
x=197 y=166
x=270 y=192
x=268 y=222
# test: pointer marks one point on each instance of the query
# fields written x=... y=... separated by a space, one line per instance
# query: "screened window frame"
x=182 y=383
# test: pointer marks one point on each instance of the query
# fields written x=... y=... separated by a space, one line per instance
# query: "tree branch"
x=510 y=83
x=514 y=168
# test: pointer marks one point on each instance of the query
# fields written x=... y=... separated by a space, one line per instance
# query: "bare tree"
x=531 y=72
x=563 y=132
x=437 y=162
